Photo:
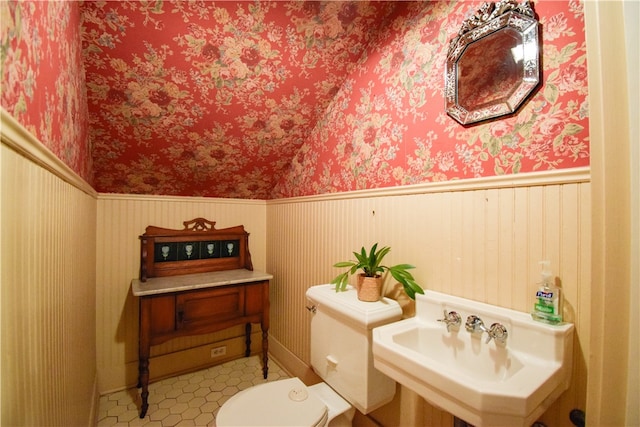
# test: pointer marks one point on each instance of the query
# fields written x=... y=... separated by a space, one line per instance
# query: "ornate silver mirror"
x=492 y=64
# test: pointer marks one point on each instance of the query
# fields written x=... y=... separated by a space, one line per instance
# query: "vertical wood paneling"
x=456 y=238
x=521 y=256
x=480 y=244
x=552 y=225
x=503 y=227
x=480 y=239
x=48 y=297
x=490 y=244
x=535 y=238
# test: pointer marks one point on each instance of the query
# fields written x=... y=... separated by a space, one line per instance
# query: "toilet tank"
x=341 y=341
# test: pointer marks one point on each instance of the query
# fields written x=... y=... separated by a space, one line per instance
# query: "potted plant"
x=370 y=280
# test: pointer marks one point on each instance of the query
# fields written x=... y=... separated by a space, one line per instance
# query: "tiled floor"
x=186 y=400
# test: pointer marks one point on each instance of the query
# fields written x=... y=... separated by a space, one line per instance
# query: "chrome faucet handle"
x=498 y=332
x=475 y=324
x=451 y=319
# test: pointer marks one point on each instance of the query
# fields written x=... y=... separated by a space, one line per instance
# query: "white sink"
x=484 y=384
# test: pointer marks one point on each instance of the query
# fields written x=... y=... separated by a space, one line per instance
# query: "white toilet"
x=340 y=354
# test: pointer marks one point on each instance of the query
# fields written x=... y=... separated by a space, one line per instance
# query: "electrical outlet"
x=219 y=351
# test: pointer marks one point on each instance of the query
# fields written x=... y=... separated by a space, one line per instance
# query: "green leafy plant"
x=371 y=266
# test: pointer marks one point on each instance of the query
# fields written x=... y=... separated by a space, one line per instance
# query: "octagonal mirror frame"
x=493 y=63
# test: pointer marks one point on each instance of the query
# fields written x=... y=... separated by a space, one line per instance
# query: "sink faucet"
x=451 y=319
x=497 y=331
x=475 y=324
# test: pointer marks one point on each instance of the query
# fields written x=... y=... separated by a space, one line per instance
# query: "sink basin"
x=483 y=383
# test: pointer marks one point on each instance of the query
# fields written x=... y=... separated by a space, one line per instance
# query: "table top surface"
x=186 y=282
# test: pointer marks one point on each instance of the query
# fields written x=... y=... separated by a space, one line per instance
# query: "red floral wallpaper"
x=387 y=125
x=276 y=99
x=41 y=77
x=213 y=98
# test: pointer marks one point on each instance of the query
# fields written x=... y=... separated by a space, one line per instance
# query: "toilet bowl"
x=341 y=354
x=286 y=403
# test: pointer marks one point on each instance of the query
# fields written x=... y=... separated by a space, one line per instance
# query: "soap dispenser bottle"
x=547 y=307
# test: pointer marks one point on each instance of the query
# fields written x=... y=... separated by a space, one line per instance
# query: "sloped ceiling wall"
x=387 y=126
x=214 y=98
x=276 y=99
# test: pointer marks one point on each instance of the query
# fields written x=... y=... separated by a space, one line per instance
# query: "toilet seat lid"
x=278 y=403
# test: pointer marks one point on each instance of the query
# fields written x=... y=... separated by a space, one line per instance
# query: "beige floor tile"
x=185 y=400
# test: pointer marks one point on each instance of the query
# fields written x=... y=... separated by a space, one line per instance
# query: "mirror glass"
x=492 y=65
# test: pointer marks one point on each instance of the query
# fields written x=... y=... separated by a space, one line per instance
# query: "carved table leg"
x=264 y=325
x=265 y=350
x=143 y=382
x=144 y=349
x=247 y=337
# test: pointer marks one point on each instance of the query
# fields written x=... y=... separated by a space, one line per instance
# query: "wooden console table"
x=175 y=305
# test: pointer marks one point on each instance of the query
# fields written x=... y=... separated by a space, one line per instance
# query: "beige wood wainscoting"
x=48 y=260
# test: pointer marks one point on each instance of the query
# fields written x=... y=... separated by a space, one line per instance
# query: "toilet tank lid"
x=347 y=305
